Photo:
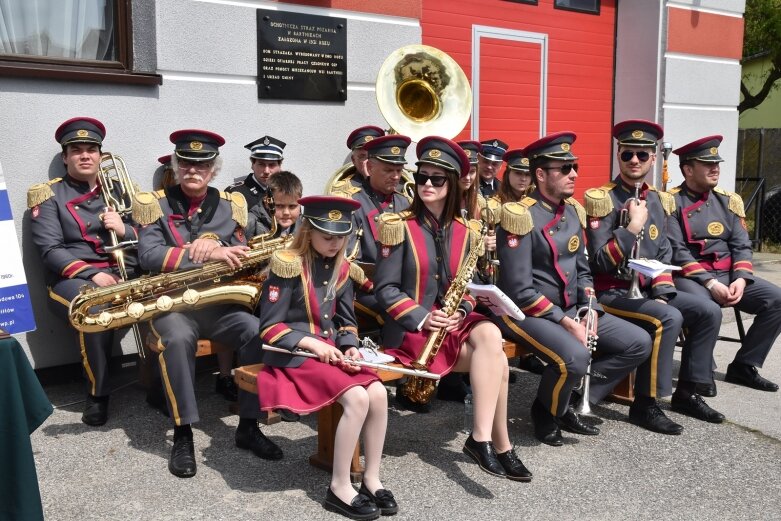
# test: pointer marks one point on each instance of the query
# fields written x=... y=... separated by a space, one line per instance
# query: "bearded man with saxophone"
x=184 y=226
x=541 y=238
x=71 y=226
x=654 y=304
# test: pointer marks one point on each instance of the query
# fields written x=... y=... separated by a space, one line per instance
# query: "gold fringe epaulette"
x=146 y=208
x=285 y=264
x=344 y=188
x=41 y=192
x=491 y=213
x=528 y=202
x=516 y=218
x=357 y=274
x=238 y=206
x=481 y=201
x=598 y=202
x=578 y=209
x=391 y=229
x=475 y=235
x=735 y=202
x=668 y=202
x=674 y=190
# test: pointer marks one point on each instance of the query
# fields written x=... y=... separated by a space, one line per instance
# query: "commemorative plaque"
x=301 y=56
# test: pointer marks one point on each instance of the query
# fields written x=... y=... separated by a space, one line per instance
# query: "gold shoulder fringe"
x=406 y=215
x=674 y=190
x=238 y=207
x=492 y=209
x=391 y=229
x=528 y=202
x=146 y=208
x=481 y=201
x=579 y=209
x=598 y=202
x=344 y=188
x=668 y=202
x=475 y=235
x=41 y=192
x=736 y=205
x=357 y=274
x=516 y=218
x=285 y=264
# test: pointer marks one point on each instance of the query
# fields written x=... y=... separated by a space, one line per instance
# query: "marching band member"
x=710 y=243
x=541 y=238
x=358 y=154
x=167 y=176
x=517 y=180
x=489 y=161
x=421 y=252
x=285 y=189
x=71 y=226
x=658 y=308
x=183 y=227
x=471 y=201
x=307 y=303
x=266 y=160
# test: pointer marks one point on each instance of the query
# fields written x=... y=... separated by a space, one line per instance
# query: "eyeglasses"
x=627 y=156
x=198 y=167
x=436 y=180
x=565 y=169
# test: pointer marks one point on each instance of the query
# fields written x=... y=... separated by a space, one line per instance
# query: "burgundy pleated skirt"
x=308 y=387
x=447 y=356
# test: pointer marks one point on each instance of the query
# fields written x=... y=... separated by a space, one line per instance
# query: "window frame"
x=527 y=2
x=556 y=5
x=95 y=71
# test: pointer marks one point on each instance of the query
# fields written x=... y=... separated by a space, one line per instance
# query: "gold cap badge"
x=366 y=139
x=525 y=161
x=434 y=153
x=196 y=145
x=565 y=147
x=468 y=153
x=82 y=133
x=714 y=151
x=334 y=215
x=395 y=150
x=637 y=134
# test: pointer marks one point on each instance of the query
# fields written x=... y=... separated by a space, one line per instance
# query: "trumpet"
x=587 y=314
x=633 y=292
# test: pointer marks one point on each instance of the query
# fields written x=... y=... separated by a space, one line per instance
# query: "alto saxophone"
x=419 y=390
x=146 y=297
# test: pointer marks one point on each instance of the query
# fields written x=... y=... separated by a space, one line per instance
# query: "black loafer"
x=383 y=499
x=405 y=403
x=95 y=410
x=747 y=375
x=226 y=386
x=571 y=422
x=532 y=364
x=546 y=429
x=361 y=507
x=693 y=405
x=288 y=416
x=653 y=418
x=514 y=467
x=181 y=463
x=484 y=455
x=706 y=390
x=254 y=440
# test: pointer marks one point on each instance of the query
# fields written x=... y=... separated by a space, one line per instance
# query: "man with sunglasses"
x=544 y=269
x=708 y=235
x=183 y=227
x=622 y=227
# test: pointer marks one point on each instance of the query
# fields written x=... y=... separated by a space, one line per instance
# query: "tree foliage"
x=762 y=37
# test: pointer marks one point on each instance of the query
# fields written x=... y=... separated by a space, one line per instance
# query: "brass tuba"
x=421 y=91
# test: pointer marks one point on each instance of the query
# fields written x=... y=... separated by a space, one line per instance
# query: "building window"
x=584 y=6
x=88 y=40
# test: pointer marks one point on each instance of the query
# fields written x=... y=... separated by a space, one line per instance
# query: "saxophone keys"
x=191 y=296
x=104 y=319
x=135 y=310
x=164 y=303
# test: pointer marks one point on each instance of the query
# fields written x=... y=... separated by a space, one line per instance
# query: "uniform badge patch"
x=573 y=244
x=35 y=212
x=653 y=232
x=593 y=222
x=385 y=251
x=715 y=228
x=273 y=293
x=512 y=241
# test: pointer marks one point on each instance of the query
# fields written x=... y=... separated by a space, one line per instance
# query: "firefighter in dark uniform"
x=711 y=245
x=183 y=227
x=543 y=268
x=266 y=160
x=70 y=224
x=489 y=161
x=619 y=224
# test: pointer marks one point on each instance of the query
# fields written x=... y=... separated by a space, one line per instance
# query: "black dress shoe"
x=513 y=466
x=181 y=463
x=254 y=440
x=532 y=364
x=652 y=418
x=95 y=410
x=288 y=416
x=571 y=422
x=405 y=403
x=484 y=455
x=226 y=386
x=361 y=507
x=693 y=405
x=706 y=390
x=383 y=499
x=546 y=429
x=452 y=388
x=744 y=374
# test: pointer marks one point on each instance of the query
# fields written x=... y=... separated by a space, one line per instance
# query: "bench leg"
x=327 y=420
x=624 y=392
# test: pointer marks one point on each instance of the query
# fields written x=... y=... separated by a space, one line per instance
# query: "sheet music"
x=650 y=267
x=493 y=298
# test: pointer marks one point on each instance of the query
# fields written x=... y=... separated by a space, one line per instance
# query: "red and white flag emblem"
x=512 y=241
x=385 y=251
x=273 y=293
x=36 y=211
x=593 y=223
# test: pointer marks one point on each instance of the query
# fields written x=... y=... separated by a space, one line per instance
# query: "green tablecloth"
x=23 y=408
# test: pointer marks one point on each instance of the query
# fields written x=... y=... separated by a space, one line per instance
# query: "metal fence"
x=759 y=183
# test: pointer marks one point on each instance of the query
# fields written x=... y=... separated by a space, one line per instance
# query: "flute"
x=363 y=363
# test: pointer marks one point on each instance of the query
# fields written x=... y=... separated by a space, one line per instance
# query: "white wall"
x=206 y=53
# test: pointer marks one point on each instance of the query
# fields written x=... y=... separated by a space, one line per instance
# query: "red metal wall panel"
x=406 y=8
x=580 y=72
x=708 y=34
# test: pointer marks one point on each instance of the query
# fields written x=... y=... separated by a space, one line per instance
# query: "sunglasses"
x=627 y=156
x=565 y=169
x=436 y=180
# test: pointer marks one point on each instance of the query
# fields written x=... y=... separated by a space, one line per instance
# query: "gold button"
x=688 y=214
x=75 y=207
x=326 y=266
x=376 y=218
x=199 y=210
x=325 y=316
x=439 y=259
x=436 y=276
x=325 y=283
x=550 y=232
x=325 y=333
x=189 y=218
x=390 y=206
x=699 y=209
x=563 y=218
x=567 y=274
